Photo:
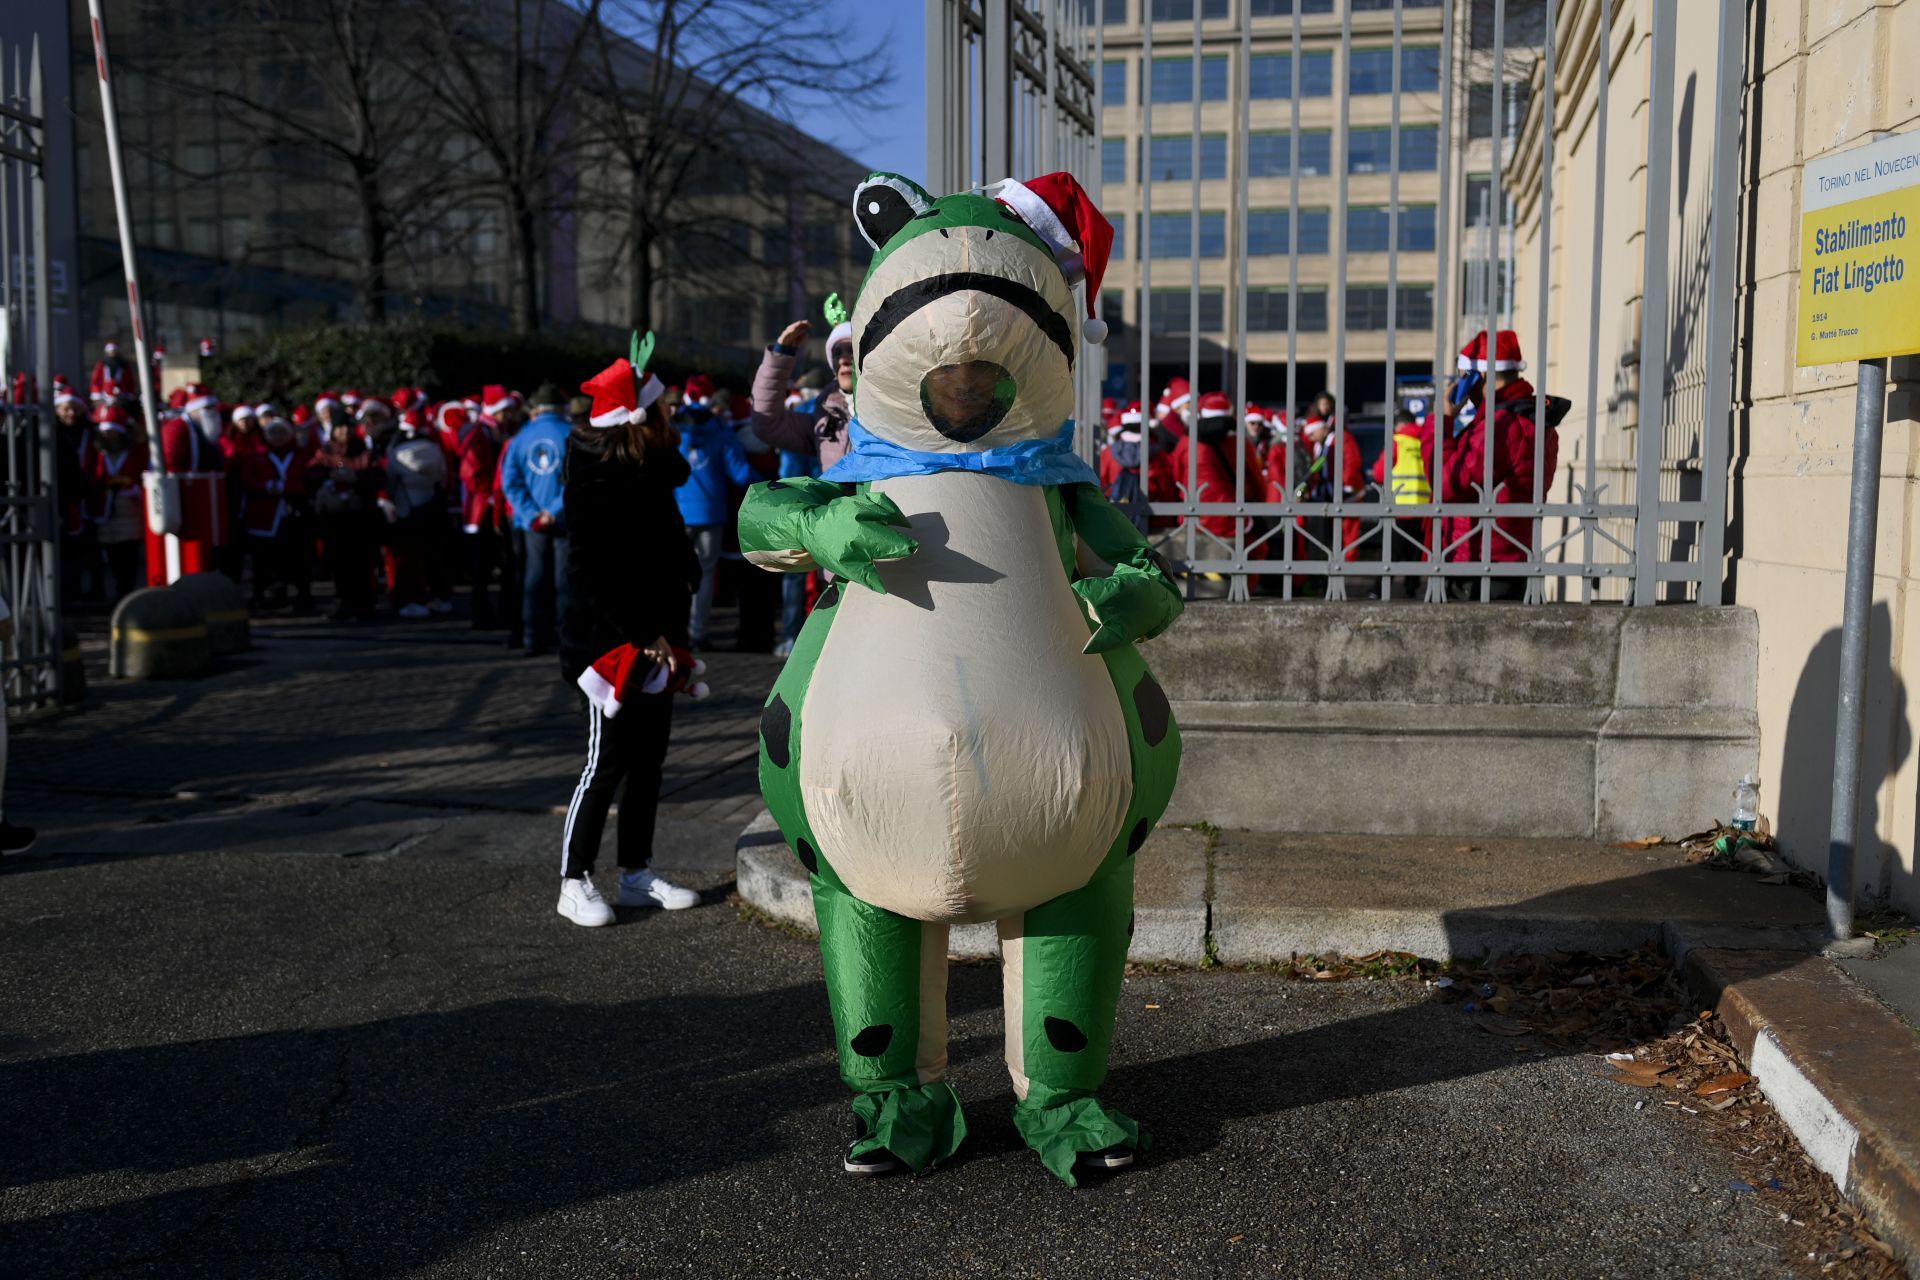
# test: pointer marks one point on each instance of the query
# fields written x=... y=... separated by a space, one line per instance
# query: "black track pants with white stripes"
x=628 y=748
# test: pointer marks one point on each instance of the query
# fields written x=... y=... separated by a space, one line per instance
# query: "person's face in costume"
x=843 y=367
x=965 y=331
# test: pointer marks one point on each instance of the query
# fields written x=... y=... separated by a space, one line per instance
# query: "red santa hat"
x=351 y=397
x=699 y=388
x=1214 y=404
x=327 y=399
x=110 y=347
x=402 y=399
x=1506 y=352
x=266 y=409
x=1175 y=397
x=452 y=417
x=200 y=400
x=624 y=390
x=302 y=415
x=494 y=398
x=110 y=417
x=1063 y=215
x=206 y=348
x=1130 y=422
x=176 y=398
x=64 y=395
x=618 y=674
x=1255 y=415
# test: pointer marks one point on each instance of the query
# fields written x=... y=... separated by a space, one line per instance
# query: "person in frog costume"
x=964 y=731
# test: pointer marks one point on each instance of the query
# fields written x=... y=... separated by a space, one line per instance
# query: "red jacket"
x=1520 y=451
x=114 y=487
x=185 y=449
x=110 y=381
x=479 y=473
x=268 y=482
x=1213 y=473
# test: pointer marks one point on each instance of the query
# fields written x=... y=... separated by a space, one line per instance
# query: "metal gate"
x=1311 y=128
x=29 y=514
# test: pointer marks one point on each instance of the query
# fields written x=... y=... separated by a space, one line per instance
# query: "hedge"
x=295 y=365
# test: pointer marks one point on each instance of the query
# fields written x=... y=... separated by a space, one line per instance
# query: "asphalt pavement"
x=311 y=1032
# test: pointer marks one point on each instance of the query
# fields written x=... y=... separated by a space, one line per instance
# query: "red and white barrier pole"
x=121 y=212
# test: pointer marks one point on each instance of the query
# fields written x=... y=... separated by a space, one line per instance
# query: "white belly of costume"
x=960 y=758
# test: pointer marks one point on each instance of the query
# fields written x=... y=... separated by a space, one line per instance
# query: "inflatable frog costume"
x=964 y=731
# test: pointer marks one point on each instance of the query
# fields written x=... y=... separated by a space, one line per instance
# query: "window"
x=1113 y=83
x=1482 y=286
x=1173 y=79
x=203 y=236
x=1270 y=75
x=1513 y=109
x=1367 y=307
x=1267 y=311
x=1483 y=207
x=776 y=247
x=1172 y=236
x=1113 y=13
x=1413 y=309
x=1169 y=311
x=1371 y=150
x=1284 y=8
x=1113 y=160
x=1182 y=10
x=1170 y=157
x=1119 y=221
x=1267 y=232
x=1368 y=227
x=1268 y=154
x=1371 y=70
x=1526 y=23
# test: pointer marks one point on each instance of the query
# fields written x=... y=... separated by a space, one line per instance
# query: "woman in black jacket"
x=630 y=579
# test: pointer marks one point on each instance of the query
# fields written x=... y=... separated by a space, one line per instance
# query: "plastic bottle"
x=1746 y=803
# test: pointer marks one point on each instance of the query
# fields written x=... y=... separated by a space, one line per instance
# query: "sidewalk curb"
x=1170 y=910
x=1841 y=1069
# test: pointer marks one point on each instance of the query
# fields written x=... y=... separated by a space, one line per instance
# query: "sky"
x=893 y=139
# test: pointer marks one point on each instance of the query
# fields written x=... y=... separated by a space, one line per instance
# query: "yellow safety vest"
x=1410 y=484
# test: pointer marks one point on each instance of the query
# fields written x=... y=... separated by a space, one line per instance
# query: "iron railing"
x=1635 y=509
x=30 y=667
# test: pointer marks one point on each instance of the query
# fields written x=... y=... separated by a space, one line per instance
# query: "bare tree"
x=504 y=74
x=696 y=97
x=330 y=81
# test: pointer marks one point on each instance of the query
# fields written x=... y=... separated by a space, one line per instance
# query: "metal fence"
x=29 y=527
x=1634 y=510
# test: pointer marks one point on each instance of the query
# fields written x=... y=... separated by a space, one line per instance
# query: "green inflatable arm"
x=806 y=523
x=1138 y=600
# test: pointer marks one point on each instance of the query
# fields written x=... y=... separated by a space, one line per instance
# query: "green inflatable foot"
x=920 y=1124
x=1060 y=1131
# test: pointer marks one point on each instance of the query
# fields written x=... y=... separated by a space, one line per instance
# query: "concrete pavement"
x=286 y=996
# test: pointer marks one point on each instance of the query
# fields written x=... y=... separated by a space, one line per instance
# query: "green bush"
x=294 y=365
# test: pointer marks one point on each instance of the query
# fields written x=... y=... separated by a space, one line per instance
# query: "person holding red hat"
x=1520 y=449
x=116 y=504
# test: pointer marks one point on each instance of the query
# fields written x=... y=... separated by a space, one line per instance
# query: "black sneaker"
x=872 y=1164
x=1109 y=1158
x=15 y=839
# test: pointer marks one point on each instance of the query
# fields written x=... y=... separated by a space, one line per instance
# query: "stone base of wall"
x=1471 y=720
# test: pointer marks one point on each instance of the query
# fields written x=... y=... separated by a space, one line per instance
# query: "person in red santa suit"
x=1520 y=450
x=1174 y=410
x=113 y=378
x=190 y=435
x=477 y=455
x=275 y=519
x=1120 y=472
x=116 y=503
x=1328 y=449
x=1210 y=463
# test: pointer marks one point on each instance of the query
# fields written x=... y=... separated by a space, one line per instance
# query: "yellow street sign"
x=1860 y=253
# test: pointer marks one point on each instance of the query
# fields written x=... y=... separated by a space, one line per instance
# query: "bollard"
x=73 y=674
x=158 y=634
x=222 y=606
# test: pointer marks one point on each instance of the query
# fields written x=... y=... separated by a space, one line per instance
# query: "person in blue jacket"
x=716 y=460
x=531 y=475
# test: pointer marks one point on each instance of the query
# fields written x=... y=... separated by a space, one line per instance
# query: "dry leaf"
x=1723 y=1084
x=1645 y=842
x=1235 y=1239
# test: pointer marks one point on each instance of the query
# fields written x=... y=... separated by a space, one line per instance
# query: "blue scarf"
x=1044 y=462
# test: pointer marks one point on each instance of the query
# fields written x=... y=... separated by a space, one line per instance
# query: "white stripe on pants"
x=579 y=793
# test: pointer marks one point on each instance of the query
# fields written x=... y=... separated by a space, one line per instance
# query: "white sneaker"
x=581 y=903
x=644 y=889
x=413 y=611
x=440 y=606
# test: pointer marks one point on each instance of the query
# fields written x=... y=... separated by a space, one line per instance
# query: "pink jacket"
x=822 y=431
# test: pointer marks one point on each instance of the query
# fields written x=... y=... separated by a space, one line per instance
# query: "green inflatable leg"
x=1063 y=962
x=887 y=983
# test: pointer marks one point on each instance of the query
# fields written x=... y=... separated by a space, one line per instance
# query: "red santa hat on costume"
x=199 y=399
x=1506 y=352
x=176 y=397
x=110 y=417
x=451 y=418
x=1178 y=394
x=618 y=674
x=494 y=399
x=64 y=395
x=1061 y=213
x=1130 y=423
x=1214 y=404
x=328 y=399
x=624 y=390
x=699 y=388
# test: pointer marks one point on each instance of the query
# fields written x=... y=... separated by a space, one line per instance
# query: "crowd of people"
x=1260 y=457
x=397 y=497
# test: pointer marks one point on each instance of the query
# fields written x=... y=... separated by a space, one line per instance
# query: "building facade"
x=1367 y=185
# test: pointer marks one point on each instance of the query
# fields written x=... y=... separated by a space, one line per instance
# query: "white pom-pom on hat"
x=1094 y=330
